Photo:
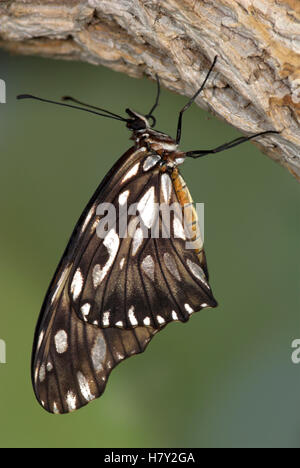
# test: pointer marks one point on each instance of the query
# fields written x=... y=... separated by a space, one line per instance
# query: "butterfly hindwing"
x=72 y=359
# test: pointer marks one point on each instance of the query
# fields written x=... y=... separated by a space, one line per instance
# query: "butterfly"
x=110 y=293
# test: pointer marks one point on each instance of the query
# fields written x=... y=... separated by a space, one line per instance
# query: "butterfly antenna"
x=109 y=115
x=69 y=98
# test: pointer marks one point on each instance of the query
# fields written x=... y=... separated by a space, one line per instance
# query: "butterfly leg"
x=149 y=115
x=231 y=144
x=190 y=102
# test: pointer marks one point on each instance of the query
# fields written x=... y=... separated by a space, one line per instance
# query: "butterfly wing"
x=111 y=294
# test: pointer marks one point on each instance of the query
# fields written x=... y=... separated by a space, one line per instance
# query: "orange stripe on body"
x=190 y=213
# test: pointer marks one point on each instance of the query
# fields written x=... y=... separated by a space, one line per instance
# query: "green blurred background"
x=225 y=379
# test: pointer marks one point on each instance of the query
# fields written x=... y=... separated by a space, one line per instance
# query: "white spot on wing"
x=84 y=387
x=61 y=341
x=137 y=240
x=160 y=319
x=197 y=272
x=166 y=185
x=49 y=367
x=119 y=324
x=105 y=319
x=188 y=308
x=148 y=266
x=96 y=275
x=123 y=197
x=40 y=339
x=85 y=309
x=147 y=321
x=147 y=208
x=111 y=242
x=71 y=401
x=122 y=263
x=171 y=265
x=179 y=161
x=77 y=283
x=151 y=161
x=132 y=172
x=55 y=409
x=204 y=304
x=132 y=317
x=174 y=315
x=98 y=353
x=42 y=373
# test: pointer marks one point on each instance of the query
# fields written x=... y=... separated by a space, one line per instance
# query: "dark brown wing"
x=111 y=294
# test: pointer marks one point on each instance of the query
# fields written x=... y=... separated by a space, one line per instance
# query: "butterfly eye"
x=137 y=125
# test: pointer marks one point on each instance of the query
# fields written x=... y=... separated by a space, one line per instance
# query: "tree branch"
x=256 y=85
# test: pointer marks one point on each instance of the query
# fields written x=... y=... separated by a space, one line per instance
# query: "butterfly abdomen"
x=190 y=214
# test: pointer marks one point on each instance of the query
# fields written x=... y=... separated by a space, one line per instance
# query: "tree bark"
x=256 y=82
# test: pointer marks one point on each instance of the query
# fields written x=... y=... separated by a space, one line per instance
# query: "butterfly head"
x=138 y=122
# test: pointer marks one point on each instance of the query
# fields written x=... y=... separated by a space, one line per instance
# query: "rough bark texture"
x=256 y=84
